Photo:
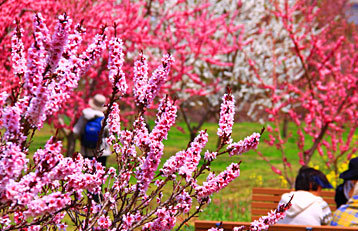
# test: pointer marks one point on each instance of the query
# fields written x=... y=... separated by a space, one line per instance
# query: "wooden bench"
x=265 y=200
x=229 y=225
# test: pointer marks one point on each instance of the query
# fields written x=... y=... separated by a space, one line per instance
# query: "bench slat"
x=268 y=198
x=263 y=205
x=277 y=191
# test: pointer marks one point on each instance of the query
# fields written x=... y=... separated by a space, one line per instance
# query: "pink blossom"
x=165 y=220
x=157 y=79
x=264 y=222
x=226 y=121
x=93 y=51
x=58 y=42
x=11 y=118
x=215 y=229
x=210 y=156
x=36 y=56
x=17 y=52
x=165 y=119
x=113 y=123
x=150 y=164
x=193 y=155
x=186 y=161
x=47 y=204
x=184 y=202
x=140 y=78
x=115 y=63
x=276 y=170
x=36 y=113
x=73 y=42
x=245 y=145
x=127 y=149
x=214 y=184
x=141 y=138
x=104 y=222
x=129 y=220
x=62 y=226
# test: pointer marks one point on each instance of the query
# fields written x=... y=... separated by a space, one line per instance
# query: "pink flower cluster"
x=140 y=78
x=193 y=157
x=185 y=162
x=18 y=52
x=264 y=222
x=142 y=135
x=245 y=145
x=10 y=120
x=184 y=202
x=165 y=119
x=167 y=112
x=210 y=156
x=146 y=92
x=127 y=151
x=216 y=183
x=129 y=220
x=91 y=181
x=93 y=51
x=215 y=229
x=146 y=170
x=47 y=204
x=41 y=28
x=12 y=162
x=104 y=222
x=115 y=64
x=226 y=121
x=58 y=42
x=36 y=113
x=165 y=220
x=36 y=56
x=60 y=91
x=96 y=197
x=73 y=42
x=113 y=123
x=68 y=68
x=51 y=167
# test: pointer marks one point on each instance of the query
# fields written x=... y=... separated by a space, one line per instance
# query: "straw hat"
x=97 y=102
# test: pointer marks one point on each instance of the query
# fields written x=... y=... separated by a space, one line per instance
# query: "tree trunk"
x=284 y=127
x=71 y=144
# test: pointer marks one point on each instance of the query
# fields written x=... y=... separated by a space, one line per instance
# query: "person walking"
x=88 y=128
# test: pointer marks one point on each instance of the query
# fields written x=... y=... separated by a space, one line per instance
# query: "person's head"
x=97 y=102
x=310 y=179
x=352 y=172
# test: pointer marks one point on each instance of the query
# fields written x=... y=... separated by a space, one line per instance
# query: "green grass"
x=232 y=203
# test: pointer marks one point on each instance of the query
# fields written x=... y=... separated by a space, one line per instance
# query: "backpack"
x=91 y=133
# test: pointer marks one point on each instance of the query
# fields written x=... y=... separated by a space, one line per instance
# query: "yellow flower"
x=284 y=183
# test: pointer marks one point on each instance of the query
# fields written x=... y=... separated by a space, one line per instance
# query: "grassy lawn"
x=232 y=203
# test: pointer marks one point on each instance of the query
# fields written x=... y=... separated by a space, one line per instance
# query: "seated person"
x=347 y=214
x=349 y=176
x=308 y=208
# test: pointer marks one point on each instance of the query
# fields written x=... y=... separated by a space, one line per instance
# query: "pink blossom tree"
x=316 y=89
x=198 y=35
x=41 y=192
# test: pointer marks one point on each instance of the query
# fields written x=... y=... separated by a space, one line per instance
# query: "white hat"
x=97 y=102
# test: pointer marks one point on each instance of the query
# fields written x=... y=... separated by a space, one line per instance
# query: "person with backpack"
x=88 y=128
